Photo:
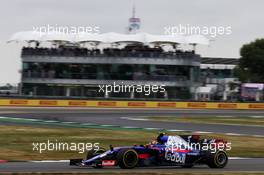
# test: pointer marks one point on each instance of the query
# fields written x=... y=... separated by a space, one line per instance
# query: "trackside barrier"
x=129 y=104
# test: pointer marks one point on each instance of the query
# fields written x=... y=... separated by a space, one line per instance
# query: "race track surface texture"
x=233 y=165
x=116 y=117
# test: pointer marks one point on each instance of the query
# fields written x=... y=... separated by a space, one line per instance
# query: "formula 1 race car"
x=185 y=151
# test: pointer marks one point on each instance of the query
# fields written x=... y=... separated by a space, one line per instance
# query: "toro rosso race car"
x=185 y=151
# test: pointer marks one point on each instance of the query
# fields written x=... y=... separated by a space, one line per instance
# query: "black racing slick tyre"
x=127 y=158
x=217 y=160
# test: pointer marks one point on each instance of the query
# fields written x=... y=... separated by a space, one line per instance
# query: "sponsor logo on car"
x=108 y=162
x=175 y=157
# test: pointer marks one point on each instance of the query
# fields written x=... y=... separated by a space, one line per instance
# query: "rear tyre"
x=217 y=160
x=127 y=158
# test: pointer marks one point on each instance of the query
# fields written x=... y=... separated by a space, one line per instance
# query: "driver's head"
x=161 y=134
x=159 y=140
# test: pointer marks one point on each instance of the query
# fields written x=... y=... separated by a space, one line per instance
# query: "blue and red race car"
x=185 y=151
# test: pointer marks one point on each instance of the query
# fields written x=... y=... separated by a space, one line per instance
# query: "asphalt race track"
x=121 y=117
x=255 y=165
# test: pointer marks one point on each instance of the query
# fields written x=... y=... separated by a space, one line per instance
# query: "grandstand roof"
x=111 y=37
x=212 y=60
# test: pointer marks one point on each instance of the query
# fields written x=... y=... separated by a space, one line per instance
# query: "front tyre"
x=217 y=160
x=127 y=158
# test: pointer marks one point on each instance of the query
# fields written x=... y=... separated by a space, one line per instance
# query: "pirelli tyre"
x=127 y=158
x=217 y=160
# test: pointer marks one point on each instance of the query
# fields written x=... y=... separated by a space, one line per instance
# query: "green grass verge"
x=16 y=141
x=213 y=120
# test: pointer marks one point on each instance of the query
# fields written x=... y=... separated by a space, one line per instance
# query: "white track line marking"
x=224 y=116
x=175 y=130
x=69 y=122
x=227 y=124
x=107 y=125
x=50 y=121
x=34 y=120
x=87 y=124
x=256 y=116
x=58 y=161
x=12 y=112
x=133 y=127
x=203 y=132
x=49 y=161
x=136 y=119
x=233 y=134
x=15 y=118
x=258 y=135
x=238 y=158
x=129 y=127
x=152 y=128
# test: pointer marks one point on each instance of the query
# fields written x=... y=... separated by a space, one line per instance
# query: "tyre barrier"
x=129 y=104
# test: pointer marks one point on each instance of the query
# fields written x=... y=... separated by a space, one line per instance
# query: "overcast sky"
x=244 y=16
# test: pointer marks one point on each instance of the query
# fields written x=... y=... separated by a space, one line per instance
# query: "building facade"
x=78 y=72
